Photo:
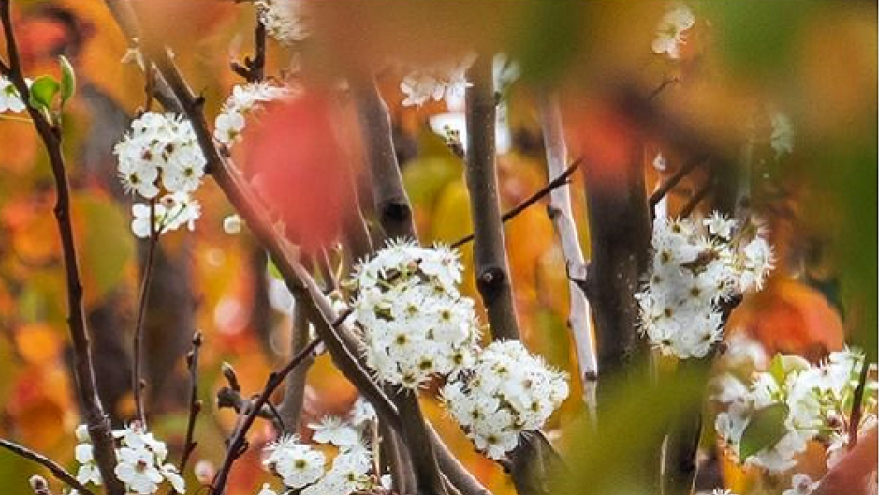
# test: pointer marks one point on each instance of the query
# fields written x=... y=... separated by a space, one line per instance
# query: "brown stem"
x=238 y=443
x=560 y=181
x=92 y=410
x=490 y=258
x=137 y=383
x=195 y=405
x=290 y=408
x=694 y=201
x=855 y=415
x=674 y=180
x=390 y=199
x=57 y=471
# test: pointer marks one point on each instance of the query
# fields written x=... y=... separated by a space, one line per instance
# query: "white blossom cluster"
x=160 y=155
x=696 y=267
x=817 y=402
x=446 y=80
x=244 y=100
x=10 y=100
x=670 y=31
x=283 y=20
x=506 y=392
x=140 y=461
x=304 y=467
x=415 y=322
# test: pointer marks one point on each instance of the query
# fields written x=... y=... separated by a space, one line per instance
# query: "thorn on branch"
x=231 y=377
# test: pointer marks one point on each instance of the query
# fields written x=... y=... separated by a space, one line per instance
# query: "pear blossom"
x=670 y=31
x=283 y=20
x=506 y=392
x=445 y=80
x=245 y=100
x=332 y=430
x=232 y=224
x=801 y=484
x=10 y=100
x=416 y=324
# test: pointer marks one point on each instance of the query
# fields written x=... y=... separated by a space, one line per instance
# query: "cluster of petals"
x=160 y=155
x=817 y=400
x=670 y=31
x=140 y=461
x=282 y=19
x=415 y=322
x=446 y=80
x=695 y=267
x=10 y=100
x=304 y=466
x=244 y=100
x=506 y=392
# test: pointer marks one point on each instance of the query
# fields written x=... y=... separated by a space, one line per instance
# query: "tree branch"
x=389 y=197
x=238 y=443
x=340 y=341
x=137 y=384
x=560 y=181
x=490 y=258
x=57 y=471
x=92 y=410
x=579 y=319
x=195 y=405
x=290 y=408
x=674 y=180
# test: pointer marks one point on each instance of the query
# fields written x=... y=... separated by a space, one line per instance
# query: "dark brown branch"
x=560 y=181
x=389 y=197
x=92 y=410
x=57 y=471
x=253 y=70
x=667 y=81
x=195 y=405
x=238 y=443
x=490 y=258
x=674 y=180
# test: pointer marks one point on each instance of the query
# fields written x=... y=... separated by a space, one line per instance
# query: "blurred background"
x=742 y=63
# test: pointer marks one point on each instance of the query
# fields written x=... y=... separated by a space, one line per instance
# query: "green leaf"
x=765 y=429
x=68 y=79
x=274 y=272
x=43 y=91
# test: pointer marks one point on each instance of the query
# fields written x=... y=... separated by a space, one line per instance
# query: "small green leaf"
x=765 y=429
x=43 y=90
x=68 y=79
x=274 y=272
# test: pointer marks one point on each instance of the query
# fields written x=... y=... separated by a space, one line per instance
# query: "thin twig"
x=560 y=181
x=579 y=320
x=195 y=405
x=695 y=200
x=143 y=299
x=667 y=81
x=238 y=445
x=83 y=367
x=290 y=409
x=673 y=180
x=57 y=471
x=855 y=415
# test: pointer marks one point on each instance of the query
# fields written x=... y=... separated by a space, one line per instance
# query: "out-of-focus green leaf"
x=552 y=40
x=68 y=79
x=106 y=241
x=764 y=429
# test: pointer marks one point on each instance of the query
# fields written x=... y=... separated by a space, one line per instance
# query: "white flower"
x=362 y=412
x=136 y=468
x=719 y=225
x=332 y=430
x=801 y=484
x=415 y=322
x=232 y=224
x=10 y=100
x=204 y=471
x=781 y=134
x=670 y=31
x=244 y=100
x=170 y=213
x=446 y=80
x=297 y=464
x=82 y=434
x=283 y=20
x=659 y=162
x=506 y=392
x=170 y=472
x=266 y=490
x=228 y=127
